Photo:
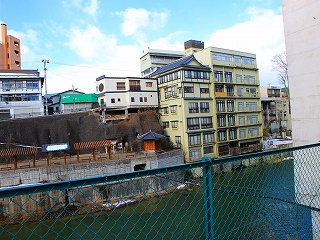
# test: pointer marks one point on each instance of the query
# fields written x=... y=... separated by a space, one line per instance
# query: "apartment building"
x=152 y=59
x=276 y=117
x=235 y=86
x=10 y=57
x=20 y=94
x=187 y=106
x=126 y=93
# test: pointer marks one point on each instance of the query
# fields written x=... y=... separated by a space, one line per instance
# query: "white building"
x=20 y=94
x=125 y=93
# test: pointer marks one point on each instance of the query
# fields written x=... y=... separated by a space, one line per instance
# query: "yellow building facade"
x=10 y=57
x=209 y=103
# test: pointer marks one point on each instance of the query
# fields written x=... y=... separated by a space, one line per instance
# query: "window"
x=194 y=139
x=220 y=106
x=193 y=123
x=113 y=100
x=32 y=84
x=246 y=60
x=195 y=154
x=221 y=120
x=218 y=76
x=249 y=79
x=206 y=122
x=242 y=133
x=207 y=149
x=165 y=124
x=173 y=109
x=219 y=88
x=193 y=107
x=145 y=99
x=240 y=91
x=148 y=84
x=204 y=107
x=141 y=99
x=241 y=120
x=232 y=134
x=231 y=120
x=252 y=119
x=228 y=76
x=230 y=91
x=208 y=138
x=134 y=85
x=240 y=106
x=239 y=78
x=121 y=85
x=222 y=136
x=119 y=100
x=19 y=84
x=204 y=90
x=174 y=124
x=7 y=84
x=253 y=132
x=252 y=106
x=230 y=105
x=132 y=99
x=178 y=139
x=165 y=110
x=236 y=59
x=188 y=89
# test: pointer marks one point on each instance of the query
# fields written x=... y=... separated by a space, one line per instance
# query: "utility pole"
x=73 y=97
x=45 y=61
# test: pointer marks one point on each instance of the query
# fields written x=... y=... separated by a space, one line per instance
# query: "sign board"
x=55 y=147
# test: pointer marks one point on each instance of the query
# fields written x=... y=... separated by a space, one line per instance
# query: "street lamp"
x=45 y=61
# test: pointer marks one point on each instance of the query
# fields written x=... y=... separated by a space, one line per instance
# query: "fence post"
x=208 y=199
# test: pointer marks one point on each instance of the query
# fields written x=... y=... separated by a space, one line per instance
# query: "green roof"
x=78 y=98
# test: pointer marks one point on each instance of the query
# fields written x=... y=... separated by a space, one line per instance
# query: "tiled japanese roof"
x=151 y=136
x=180 y=62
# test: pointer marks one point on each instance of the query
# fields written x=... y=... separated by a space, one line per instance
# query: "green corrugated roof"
x=78 y=98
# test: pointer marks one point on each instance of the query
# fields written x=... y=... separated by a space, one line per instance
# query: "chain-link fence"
x=266 y=195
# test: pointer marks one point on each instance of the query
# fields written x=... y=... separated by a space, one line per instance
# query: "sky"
x=84 y=39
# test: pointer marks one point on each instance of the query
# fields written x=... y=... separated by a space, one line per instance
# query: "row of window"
x=194 y=107
x=222 y=120
x=141 y=99
x=232 y=58
x=195 y=139
x=20 y=97
x=10 y=84
x=134 y=85
x=194 y=123
x=218 y=75
x=252 y=132
x=221 y=106
x=187 y=74
x=195 y=154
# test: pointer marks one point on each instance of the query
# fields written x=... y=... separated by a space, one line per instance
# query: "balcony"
x=221 y=94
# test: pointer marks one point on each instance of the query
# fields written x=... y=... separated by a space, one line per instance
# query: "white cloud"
x=136 y=20
x=91 y=44
x=92 y=7
x=262 y=35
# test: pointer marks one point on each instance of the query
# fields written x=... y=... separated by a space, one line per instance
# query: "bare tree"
x=279 y=64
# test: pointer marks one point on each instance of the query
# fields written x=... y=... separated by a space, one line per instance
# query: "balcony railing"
x=270 y=195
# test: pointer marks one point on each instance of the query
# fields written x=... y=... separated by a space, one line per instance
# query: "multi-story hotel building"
x=128 y=93
x=152 y=59
x=20 y=94
x=10 y=57
x=210 y=102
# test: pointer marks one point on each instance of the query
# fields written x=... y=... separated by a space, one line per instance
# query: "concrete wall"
x=85 y=170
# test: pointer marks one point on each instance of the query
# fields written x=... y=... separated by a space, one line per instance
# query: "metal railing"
x=264 y=195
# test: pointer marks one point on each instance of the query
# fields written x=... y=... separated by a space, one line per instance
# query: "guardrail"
x=264 y=195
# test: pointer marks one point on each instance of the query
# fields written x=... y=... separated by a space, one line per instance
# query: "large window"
x=204 y=107
x=253 y=132
x=252 y=119
x=241 y=120
x=220 y=106
x=242 y=133
x=196 y=74
x=231 y=120
x=221 y=120
x=228 y=76
x=206 y=122
x=188 y=89
x=193 y=123
x=193 y=107
x=246 y=60
x=252 y=106
x=32 y=84
x=207 y=149
x=249 y=79
x=230 y=105
x=121 y=85
x=208 y=138
x=240 y=106
x=6 y=84
x=232 y=134
x=222 y=135
x=134 y=85
x=204 y=90
x=194 y=139
x=239 y=78
x=195 y=154
x=218 y=76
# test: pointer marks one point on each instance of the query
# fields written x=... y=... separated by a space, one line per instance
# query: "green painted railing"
x=265 y=195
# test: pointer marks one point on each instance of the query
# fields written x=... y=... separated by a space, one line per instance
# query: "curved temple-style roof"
x=151 y=136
